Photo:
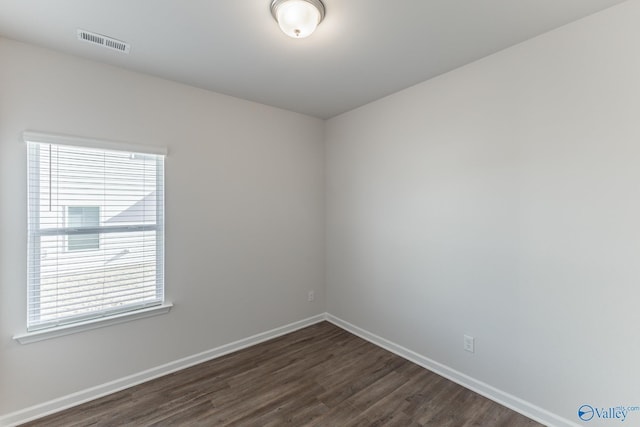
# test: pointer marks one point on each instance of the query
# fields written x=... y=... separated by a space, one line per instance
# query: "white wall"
x=244 y=217
x=502 y=200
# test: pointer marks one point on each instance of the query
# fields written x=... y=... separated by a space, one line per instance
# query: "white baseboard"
x=512 y=402
x=74 y=399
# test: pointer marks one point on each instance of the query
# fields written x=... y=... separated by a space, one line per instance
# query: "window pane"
x=121 y=273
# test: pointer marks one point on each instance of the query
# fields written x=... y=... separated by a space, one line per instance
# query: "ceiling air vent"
x=105 y=41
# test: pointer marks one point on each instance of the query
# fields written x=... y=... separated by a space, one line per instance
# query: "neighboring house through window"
x=82 y=217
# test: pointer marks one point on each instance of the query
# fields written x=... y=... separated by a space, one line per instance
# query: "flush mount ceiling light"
x=297 y=18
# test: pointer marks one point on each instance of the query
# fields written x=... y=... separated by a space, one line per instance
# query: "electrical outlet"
x=469 y=344
x=311 y=296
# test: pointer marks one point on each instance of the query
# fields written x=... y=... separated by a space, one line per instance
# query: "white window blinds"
x=95 y=229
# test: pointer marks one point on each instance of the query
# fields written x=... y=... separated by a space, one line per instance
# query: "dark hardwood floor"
x=318 y=376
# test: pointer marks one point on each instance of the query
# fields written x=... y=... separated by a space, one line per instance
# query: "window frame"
x=103 y=317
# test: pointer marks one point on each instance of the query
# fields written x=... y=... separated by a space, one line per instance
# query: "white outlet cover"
x=469 y=343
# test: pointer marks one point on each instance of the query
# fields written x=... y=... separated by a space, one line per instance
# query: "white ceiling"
x=362 y=51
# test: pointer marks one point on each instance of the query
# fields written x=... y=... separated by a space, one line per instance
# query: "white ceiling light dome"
x=298 y=18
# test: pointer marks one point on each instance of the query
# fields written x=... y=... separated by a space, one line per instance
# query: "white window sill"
x=60 y=331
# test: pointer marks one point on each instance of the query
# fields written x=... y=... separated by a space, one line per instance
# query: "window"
x=95 y=229
x=83 y=216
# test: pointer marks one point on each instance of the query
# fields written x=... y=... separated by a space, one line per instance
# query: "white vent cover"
x=106 y=41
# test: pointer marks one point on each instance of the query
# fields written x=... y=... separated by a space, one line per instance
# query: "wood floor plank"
x=377 y=391
x=317 y=376
x=342 y=414
x=399 y=401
